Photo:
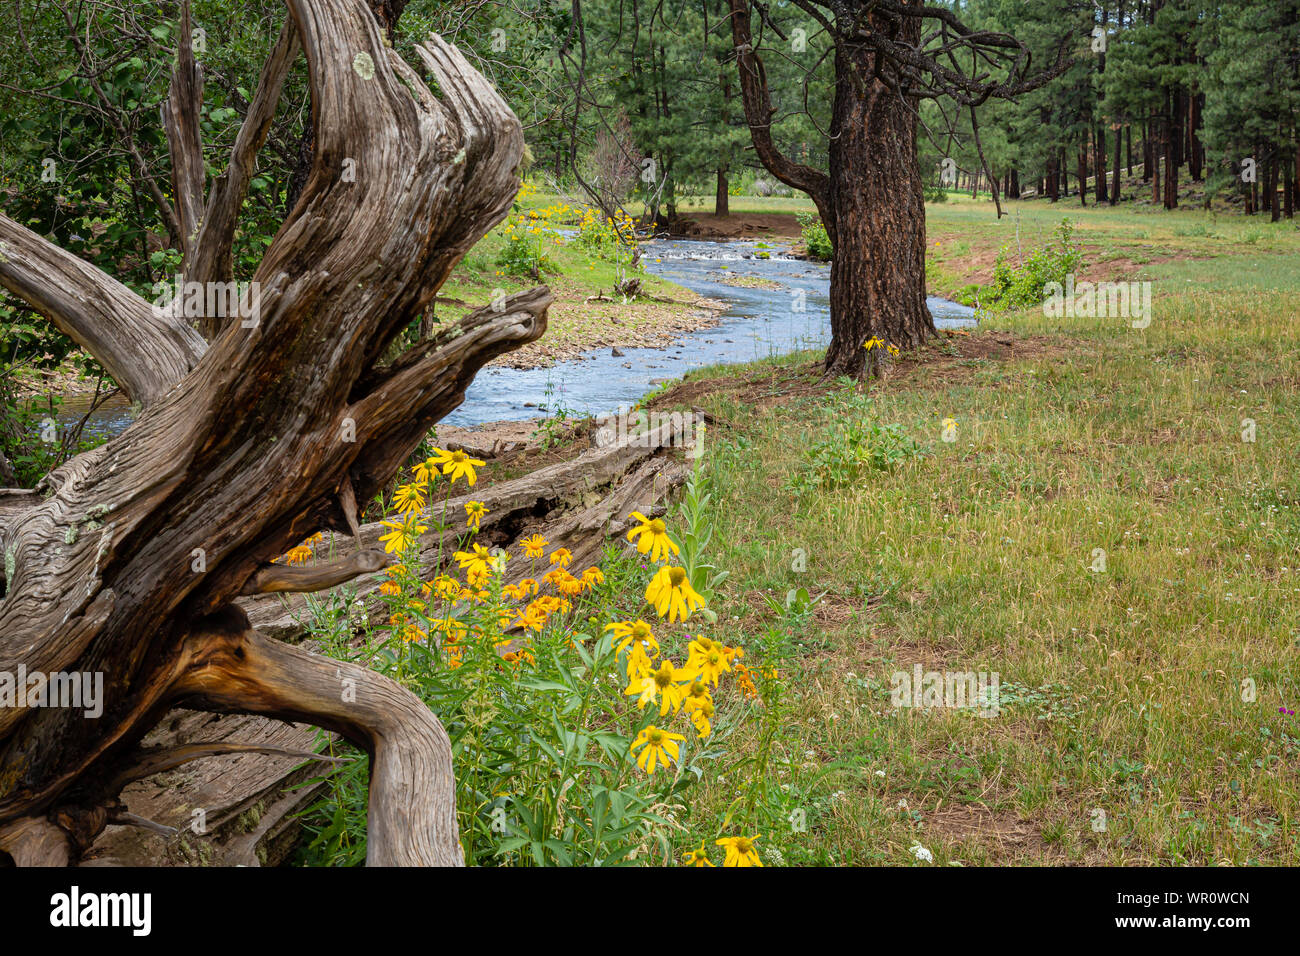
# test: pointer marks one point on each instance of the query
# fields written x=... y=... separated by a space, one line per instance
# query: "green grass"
x=1122 y=690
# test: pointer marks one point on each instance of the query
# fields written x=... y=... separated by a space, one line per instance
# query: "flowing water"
x=784 y=310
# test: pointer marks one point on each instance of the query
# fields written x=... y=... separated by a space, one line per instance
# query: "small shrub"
x=815 y=238
x=850 y=453
x=1018 y=287
x=613 y=240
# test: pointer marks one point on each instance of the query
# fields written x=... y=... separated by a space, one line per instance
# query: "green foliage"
x=1018 y=287
x=28 y=440
x=608 y=239
x=541 y=741
x=698 y=532
x=556 y=418
x=851 y=453
x=815 y=238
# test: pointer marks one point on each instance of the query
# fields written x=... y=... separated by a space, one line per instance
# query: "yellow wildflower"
x=654 y=537
x=457 y=464
x=660 y=748
x=402 y=534
x=478 y=563
x=298 y=555
x=627 y=632
x=474 y=510
x=661 y=685
x=408 y=499
x=671 y=595
x=533 y=546
x=697 y=857
x=707 y=659
x=740 y=851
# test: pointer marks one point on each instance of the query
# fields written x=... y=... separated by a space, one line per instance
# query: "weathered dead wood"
x=232 y=769
x=412 y=819
x=211 y=258
x=127 y=565
x=180 y=119
x=34 y=841
x=574 y=504
x=277 y=578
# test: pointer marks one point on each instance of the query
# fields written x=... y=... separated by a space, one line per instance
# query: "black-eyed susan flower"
x=628 y=632
x=707 y=660
x=639 y=664
x=697 y=857
x=457 y=465
x=534 y=546
x=653 y=537
x=474 y=512
x=408 y=499
x=740 y=851
x=671 y=595
x=477 y=563
x=701 y=716
x=402 y=534
x=660 y=748
x=661 y=684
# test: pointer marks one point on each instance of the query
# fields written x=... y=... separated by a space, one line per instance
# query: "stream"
x=786 y=311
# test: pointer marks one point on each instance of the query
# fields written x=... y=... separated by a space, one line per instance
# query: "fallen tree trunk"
x=576 y=505
x=123 y=568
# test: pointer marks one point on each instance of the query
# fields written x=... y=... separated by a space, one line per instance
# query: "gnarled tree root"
x=412 y=811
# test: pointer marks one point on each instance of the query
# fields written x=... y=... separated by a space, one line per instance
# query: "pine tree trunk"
x=1170 y=129
x=1288 y=188
x=1196 y=152
x=1275 y=208
x=1099 y=162
x=722 y=201
x=1083 y=172
x=878 y=274
x=1148 y=153
x=1156 y=195
x=1115 y=178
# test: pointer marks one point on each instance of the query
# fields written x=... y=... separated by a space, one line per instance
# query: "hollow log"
x=125 y=563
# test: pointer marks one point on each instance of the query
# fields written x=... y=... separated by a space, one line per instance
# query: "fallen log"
x=576 y=504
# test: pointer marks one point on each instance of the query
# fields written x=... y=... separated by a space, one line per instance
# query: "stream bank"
x=772 y=303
